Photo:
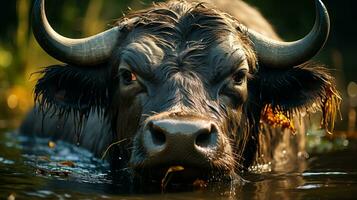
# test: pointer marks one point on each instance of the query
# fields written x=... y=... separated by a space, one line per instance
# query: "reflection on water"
x=31 y=169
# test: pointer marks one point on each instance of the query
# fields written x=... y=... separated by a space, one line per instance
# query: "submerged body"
x=183 y=84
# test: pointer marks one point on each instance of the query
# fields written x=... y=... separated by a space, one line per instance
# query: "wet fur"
x=96 y=89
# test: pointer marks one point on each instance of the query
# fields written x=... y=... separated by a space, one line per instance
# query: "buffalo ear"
x=296 y=88
x=66 y=88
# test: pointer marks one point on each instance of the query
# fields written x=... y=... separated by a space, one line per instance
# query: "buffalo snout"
x=189 y=142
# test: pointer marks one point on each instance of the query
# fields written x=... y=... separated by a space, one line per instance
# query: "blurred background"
x=21 y=56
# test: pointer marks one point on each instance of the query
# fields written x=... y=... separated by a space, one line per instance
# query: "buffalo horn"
x=88 y=51
x=278 y=54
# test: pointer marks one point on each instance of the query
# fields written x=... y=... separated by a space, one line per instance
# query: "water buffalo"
x=183 y=84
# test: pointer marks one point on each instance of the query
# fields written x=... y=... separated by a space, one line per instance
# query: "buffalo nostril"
x=157 y=134
x=207 y=137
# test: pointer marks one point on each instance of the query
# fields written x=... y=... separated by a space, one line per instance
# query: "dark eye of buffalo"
x=127 y=76
x=239 y=77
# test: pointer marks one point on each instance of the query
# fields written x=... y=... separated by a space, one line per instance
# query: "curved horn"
x=278 y=54
x=85 y=52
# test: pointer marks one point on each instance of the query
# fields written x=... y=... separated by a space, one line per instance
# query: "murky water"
x=31 y=169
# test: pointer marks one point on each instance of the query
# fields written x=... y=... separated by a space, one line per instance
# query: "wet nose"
x=182 y=141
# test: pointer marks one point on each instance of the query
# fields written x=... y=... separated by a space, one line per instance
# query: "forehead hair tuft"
x=183 y=25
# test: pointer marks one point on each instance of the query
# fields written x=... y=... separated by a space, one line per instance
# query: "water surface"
x=31 y=169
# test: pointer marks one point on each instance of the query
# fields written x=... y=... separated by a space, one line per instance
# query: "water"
x=30 y=169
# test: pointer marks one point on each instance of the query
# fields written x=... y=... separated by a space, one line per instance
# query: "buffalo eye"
x=239 y=77
x=127 y=76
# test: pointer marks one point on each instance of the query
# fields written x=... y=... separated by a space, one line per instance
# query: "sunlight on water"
x=310 y=186
x=5 y=161
x=323 y=173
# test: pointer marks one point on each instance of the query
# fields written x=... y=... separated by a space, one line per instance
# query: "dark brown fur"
x=185 y=83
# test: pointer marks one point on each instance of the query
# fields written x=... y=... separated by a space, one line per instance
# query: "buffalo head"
x=184 y=84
